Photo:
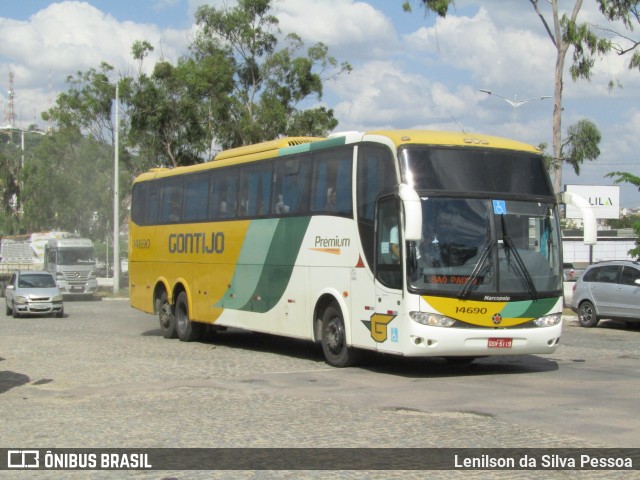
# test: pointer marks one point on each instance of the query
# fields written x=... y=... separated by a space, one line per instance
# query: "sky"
x=410 y=70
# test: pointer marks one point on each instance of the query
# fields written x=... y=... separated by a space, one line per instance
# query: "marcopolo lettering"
x=196 y=242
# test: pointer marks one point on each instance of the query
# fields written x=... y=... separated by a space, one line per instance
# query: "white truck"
x=73 y=264
x=70 y=259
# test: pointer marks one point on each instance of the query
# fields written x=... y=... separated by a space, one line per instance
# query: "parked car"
x=608 y=290
x=33 y=293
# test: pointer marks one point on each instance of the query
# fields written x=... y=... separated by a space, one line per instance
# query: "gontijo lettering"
x=196 y=242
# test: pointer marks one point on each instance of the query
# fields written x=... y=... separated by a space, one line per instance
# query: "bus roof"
x=266 y=148
x=290 y=145
x=434 y=137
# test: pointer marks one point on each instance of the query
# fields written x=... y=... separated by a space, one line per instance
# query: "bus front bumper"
x=471 y=342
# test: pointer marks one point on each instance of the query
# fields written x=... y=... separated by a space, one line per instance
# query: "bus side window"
x=153 y=204
x=139 y=203
x=332 y=182
x=195 y=198
x=290 y=186
x=389 y=244
x=223 y=194
x=255 y=190
x=171 y=200
x=375 y=175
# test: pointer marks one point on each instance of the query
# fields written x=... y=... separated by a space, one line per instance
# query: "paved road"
x=103 y=377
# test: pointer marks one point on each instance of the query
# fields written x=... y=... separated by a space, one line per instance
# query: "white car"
x=33 y=293
x=608 y=290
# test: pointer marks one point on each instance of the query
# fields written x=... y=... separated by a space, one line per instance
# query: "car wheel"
x=587 y=315
x=14 y=311
x=188 y=331
x=334 y=339
x=60 y=314
x=7 y=309
x=166 y=317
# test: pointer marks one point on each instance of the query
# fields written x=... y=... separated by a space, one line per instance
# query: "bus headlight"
x=548 y=320
x=431 y=319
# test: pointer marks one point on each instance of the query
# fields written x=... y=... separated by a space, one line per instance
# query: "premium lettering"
x=332 y=242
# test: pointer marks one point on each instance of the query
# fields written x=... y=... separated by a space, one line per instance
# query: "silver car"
x=608 y=290
x=33 y=293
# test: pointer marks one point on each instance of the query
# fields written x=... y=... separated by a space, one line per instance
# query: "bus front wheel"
x=187 y=330
x=166 y=316
x=334 y=339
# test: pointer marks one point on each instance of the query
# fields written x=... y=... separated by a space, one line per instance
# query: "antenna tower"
x=10 y=109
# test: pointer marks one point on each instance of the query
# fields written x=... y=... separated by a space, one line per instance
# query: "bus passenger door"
x=388 y=274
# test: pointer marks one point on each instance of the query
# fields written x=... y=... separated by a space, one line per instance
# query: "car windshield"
x=486 y=247
x=36 y=280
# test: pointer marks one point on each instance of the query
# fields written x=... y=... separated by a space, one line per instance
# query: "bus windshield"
x=487 y=247
x=490 y=224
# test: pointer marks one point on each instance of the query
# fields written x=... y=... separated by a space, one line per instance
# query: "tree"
x=16 y=147
x=582 y=143
x=84 y=141
x=626 y=177
x=270 y=84
x=628 y=12
x=68 y=185
x=173 y=109
x=566 y=33
x=87 y=105
x=440 y=7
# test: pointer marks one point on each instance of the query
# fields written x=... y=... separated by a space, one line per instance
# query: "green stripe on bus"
x=250 y=264
x=529 y=308
x=281 y=258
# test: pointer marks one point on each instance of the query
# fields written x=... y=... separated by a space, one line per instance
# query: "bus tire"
x=334 y=339
x=166 y=317
x=187 y=330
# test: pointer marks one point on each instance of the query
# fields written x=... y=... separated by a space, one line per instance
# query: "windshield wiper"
x=523 y=272
x=475 y=274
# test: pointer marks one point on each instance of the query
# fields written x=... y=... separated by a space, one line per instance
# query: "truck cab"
x=73 y=264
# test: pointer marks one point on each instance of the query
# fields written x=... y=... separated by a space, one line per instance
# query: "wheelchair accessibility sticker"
x=499 y=207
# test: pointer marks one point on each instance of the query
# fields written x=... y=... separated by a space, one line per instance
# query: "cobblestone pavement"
x=104 y=377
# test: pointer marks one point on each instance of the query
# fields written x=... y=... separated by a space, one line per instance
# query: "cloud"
x=71 y=36
x=494 y=56
x=380 y=94
x=353 y=29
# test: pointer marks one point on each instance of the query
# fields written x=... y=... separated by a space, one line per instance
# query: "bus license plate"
x=500 y=342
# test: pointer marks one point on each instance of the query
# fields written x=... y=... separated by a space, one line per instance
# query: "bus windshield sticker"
x=499 y=207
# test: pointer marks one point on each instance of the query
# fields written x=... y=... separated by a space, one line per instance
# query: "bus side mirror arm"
x=588 y=217
x=412 y=213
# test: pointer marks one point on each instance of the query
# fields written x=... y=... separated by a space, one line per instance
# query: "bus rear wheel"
x=334 y=339
x=166 y=317
x=187 y=330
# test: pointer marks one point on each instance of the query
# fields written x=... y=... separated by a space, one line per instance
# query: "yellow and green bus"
x=415 y=243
